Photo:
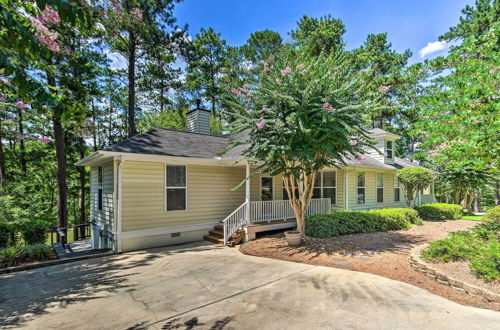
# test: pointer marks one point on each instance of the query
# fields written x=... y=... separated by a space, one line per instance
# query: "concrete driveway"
x=204 y=286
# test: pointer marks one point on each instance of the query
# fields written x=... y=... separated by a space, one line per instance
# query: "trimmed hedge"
x=492 y=215
x=14 y=255
x=439 y=211
x=351 y=222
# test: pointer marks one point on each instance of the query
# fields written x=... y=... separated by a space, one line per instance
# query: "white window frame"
x=185 y=187
x=320 y=187
x=379 y=187
x=397 y=186
x=260 y=185
x=387 y=149
x=361 y=187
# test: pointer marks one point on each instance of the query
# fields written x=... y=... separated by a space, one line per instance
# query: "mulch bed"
x=382 y=253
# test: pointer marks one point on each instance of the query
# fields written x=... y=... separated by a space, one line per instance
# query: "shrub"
x=350 y=222
x=34 y=231
x=14 y=255
x=5 y=232
x=459 y=247
x=439 y=211
x=486 y=263
x=413 y=179
x=492 y=216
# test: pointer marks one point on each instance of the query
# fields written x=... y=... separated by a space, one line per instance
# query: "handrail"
x=234 y=222
x=266 y=211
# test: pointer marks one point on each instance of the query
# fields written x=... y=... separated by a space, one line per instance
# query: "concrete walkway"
x=203 y=286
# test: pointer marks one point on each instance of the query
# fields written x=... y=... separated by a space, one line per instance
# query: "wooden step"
x=216 y=233
x=214 y=239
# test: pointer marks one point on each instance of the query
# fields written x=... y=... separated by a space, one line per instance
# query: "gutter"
x=118 y=231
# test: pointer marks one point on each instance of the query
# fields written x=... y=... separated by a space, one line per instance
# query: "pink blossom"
x=2 y=98
x=45 y=36
x=118 y=5
x=4 y=81
x=384 y=89
x=45 y=139
x=326 y=105
x=300 y=67
x=278 y=81
x=261 y=124
x=137 y=14
x=286 y=71
x=249 y=94
x=361 y=157
x=250 y=112
x=354 y=142
x=245 y=86
x=21 y=105
x=235 y=91
x=49 y=15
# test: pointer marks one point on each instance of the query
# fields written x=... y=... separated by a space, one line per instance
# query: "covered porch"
x=267 y=213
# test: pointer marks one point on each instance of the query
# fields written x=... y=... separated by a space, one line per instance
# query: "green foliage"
x=5 y=233
x=492 y=216
x=34 y=231
x=14 y=255
x=351 y=222
x=486 y=263
x=413 y=179
x=319 y=35
x=439 y=211
x=479 y=245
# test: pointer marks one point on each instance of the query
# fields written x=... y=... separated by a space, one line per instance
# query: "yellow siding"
x=209 y=195
x=371 y=190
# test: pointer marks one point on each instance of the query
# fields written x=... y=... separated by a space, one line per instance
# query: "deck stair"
x=216 y=235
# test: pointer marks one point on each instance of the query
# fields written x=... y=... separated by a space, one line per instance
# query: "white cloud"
x=433 y=47
x=117 y=61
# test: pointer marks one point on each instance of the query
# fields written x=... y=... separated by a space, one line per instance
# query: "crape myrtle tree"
x=413 y=179
x=302 y=116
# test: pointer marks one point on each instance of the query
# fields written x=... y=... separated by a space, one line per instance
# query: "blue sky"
x=409 y=23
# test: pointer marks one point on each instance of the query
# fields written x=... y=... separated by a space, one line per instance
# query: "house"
x=165 y=187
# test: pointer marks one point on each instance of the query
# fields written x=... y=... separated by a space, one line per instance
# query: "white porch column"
x=247 y=193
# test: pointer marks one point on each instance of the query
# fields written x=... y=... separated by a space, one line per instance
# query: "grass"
x=473 y=217
x=54 y=237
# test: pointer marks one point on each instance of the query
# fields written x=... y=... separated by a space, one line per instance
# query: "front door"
x=266 y=188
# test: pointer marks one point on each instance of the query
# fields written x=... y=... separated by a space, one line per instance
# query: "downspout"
x=118 y=234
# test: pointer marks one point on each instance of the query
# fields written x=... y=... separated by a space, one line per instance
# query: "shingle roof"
x=374 y=132
x=166 y=142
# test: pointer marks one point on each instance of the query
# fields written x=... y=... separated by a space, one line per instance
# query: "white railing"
x=235 y=221
x=261 y=211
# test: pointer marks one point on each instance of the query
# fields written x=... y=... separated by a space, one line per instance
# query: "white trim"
x=119 y=208
x=248 y=195
x=358 y=187
x=377 y=187
x=392 y=150
x=272 y=186
x=165 y=187
x=168 y=230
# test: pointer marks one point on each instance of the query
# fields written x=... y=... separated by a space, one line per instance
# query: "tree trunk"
x=81 y=169
x=497 y=193
x=96 y=132
x=62 y=207
x=476 y=201
x=131 y=85
x=22 y=157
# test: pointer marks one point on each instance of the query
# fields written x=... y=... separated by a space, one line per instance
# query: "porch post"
x=247 y=193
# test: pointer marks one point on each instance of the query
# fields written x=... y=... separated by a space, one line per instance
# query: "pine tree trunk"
x=497 y=193
x=22 y=157
x=476 y=201
x=62 y=206
x=131 y=85
x=81 y=169
x=96 y=132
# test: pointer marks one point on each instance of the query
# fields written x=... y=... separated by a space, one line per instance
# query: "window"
x=389 y=149
x=330 y=186
x=99 y=188
x=176 y=187
x=325 y=186
x=380 y=187
x=266 y=188
x=397 y=191
x=361 y=187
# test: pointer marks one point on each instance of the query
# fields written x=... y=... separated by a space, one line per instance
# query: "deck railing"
x=234 y=222
x=262 y=211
